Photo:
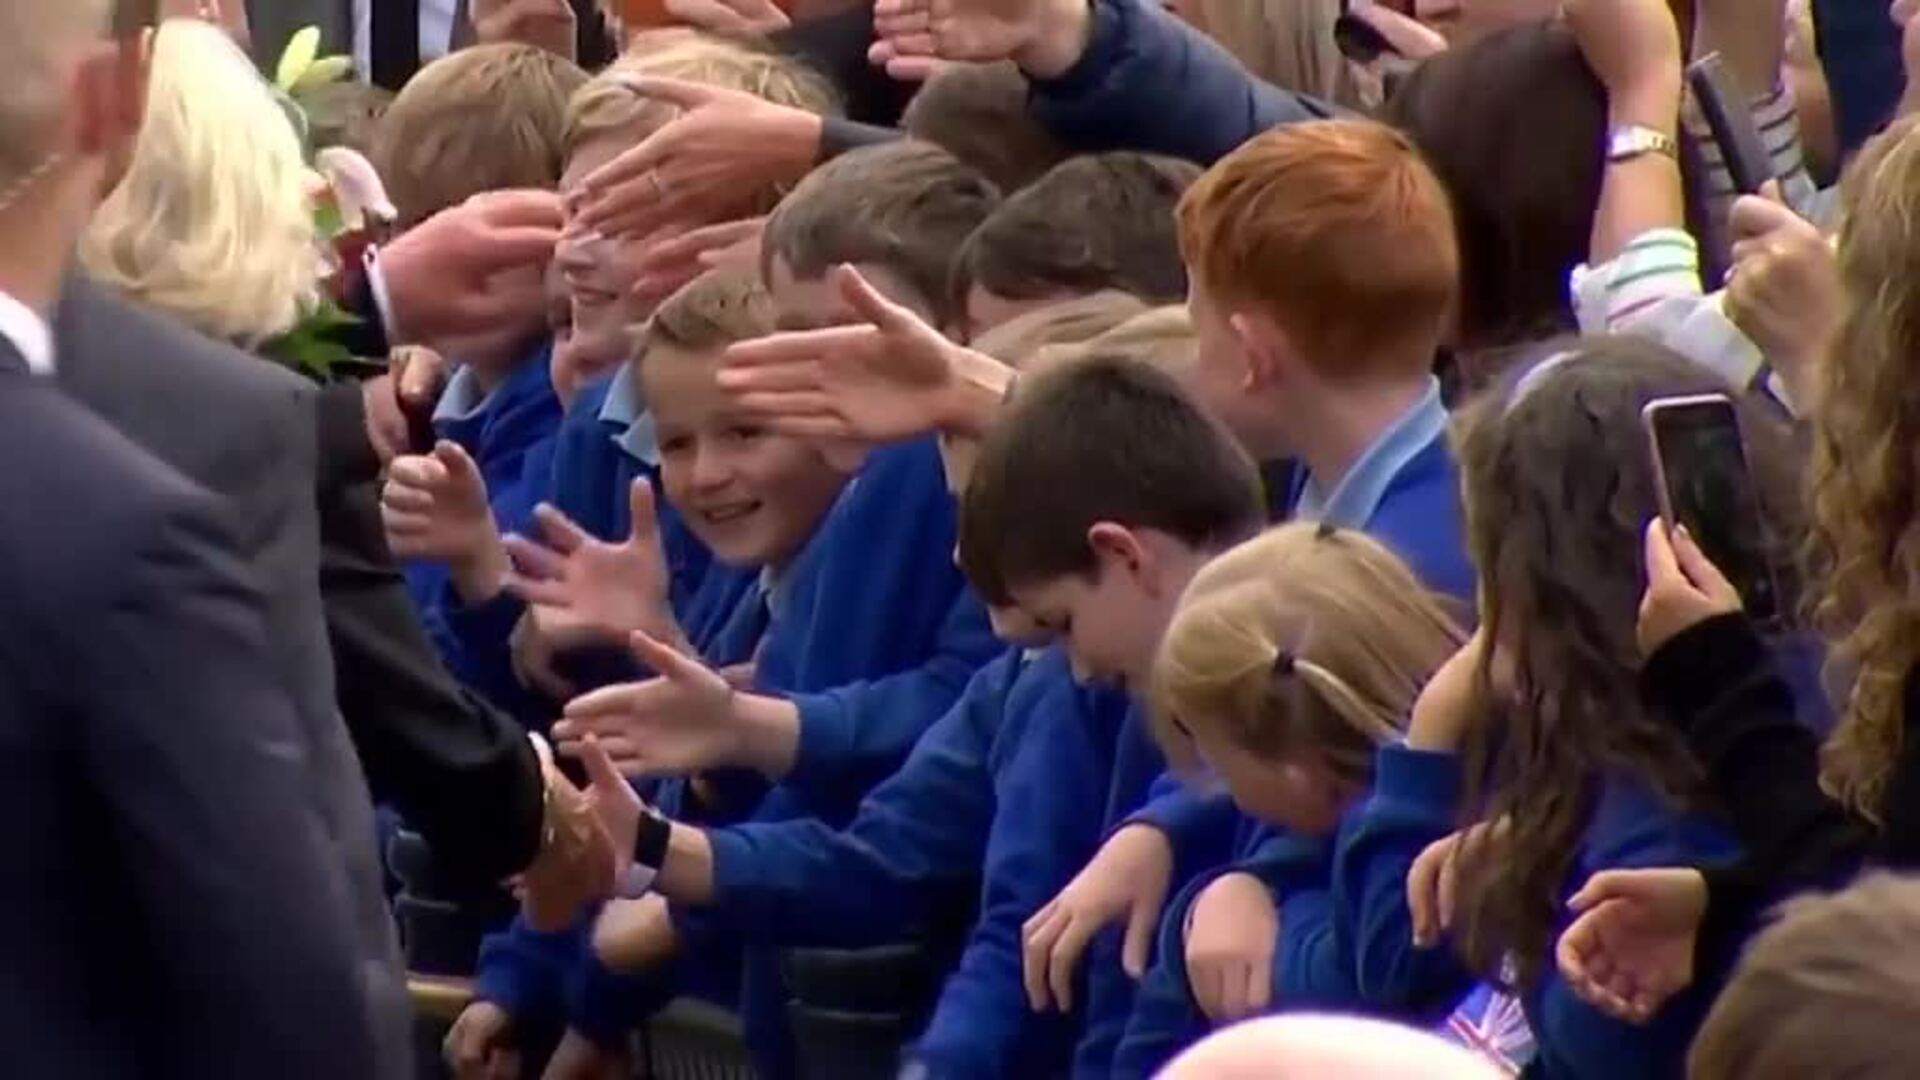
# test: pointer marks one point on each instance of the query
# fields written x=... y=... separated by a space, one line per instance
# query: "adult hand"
x=435 y=507
x=578 y=858
x=543 y=24
x=582 y=590
x=1784 y=292
x=679 y=722
x=1127 y=879
x=736 y=18
x=453 y=276
x=1633 y=47
x=889 y=378
x=618 y=807
x=707 y=164
x=1231 y=937
x=635 y=935
x=666 y=265
x=1044 y=37
x=1631 y=946
x=479 y=1046
x=1684 y=588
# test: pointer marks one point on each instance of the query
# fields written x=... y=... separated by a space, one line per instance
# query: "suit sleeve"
x=460 y=771
x=194 y=743
x=1149 y=82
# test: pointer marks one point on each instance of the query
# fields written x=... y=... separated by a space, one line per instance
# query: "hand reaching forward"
x=889 y=378
x=679 y=722
x=435 y=507
x=453 y=276
x=707 y=164
x=1044 y=37
x=578 y=859
x=1631 y=948
x=582 y=590
x=1232 y=933
x=1127 y=879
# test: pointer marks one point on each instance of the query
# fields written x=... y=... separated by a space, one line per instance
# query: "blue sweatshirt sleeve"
x=801 y=882
x=1312 y=967
x=1150 y=82
x=1414 y=803
x=1164 y=1018
x=1051 y=766
x=525 y=971
x=1201 y=826
x=855 y=735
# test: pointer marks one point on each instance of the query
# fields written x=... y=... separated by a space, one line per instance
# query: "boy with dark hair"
x=1092 y=223
x=1000 y=788
x=978 y=113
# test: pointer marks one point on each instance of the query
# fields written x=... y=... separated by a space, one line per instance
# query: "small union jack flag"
x=1491 y=1022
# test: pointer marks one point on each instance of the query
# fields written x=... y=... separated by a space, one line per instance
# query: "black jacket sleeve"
x=1717 y=685
x=461 y=772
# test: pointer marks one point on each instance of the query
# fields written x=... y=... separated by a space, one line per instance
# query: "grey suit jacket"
x=244 y=429
x=171 y=908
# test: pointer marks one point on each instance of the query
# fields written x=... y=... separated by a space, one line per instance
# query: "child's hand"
x=635 y=935
x=892 y=378
x=680 y=722
x=1127 y=879
x=1631 y=948
x=581 y=590
x=436 y=508
x=1784 y=292
x=1633 y=47
x=1232 y=933
x=1446 y=705
x=480 y=1044
x=580 y=1058
x=1684 y=589
x=1433 y=881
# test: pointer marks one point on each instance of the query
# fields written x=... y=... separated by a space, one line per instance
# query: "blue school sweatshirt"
x=994 y=795
x=874 y=634
x=1311 y=971
x=601 y=447
x=509 y=434
x=1415 y=802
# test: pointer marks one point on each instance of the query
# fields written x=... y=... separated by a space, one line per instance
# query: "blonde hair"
x=1161 y=336
x=1063 y=326
x=486 y=118
x=605 y=107
x=1305 y=637
x=37 y=39
x=1864 y=550
x=1289 y=43
x=717 y=309
x=212 y=222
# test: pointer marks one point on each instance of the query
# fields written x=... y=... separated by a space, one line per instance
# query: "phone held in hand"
x=1731 y=121
x=1704 y=483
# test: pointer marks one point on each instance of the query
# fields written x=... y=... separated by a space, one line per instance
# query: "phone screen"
x=1709 y=489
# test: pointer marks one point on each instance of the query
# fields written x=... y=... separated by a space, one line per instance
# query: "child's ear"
x=1264 y=345
x=1118 y=546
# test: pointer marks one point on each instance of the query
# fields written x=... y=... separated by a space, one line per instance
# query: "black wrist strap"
x=650 y=843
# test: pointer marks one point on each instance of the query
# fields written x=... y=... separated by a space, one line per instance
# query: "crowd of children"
x=1170 y=535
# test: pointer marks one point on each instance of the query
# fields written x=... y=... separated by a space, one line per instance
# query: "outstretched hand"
x=1631 y=946
x=707 y=164
x=435 y=507
x=1044 y=37
x=681 y=721
x=452 y=276
x=582 y=590
x=888 y=378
